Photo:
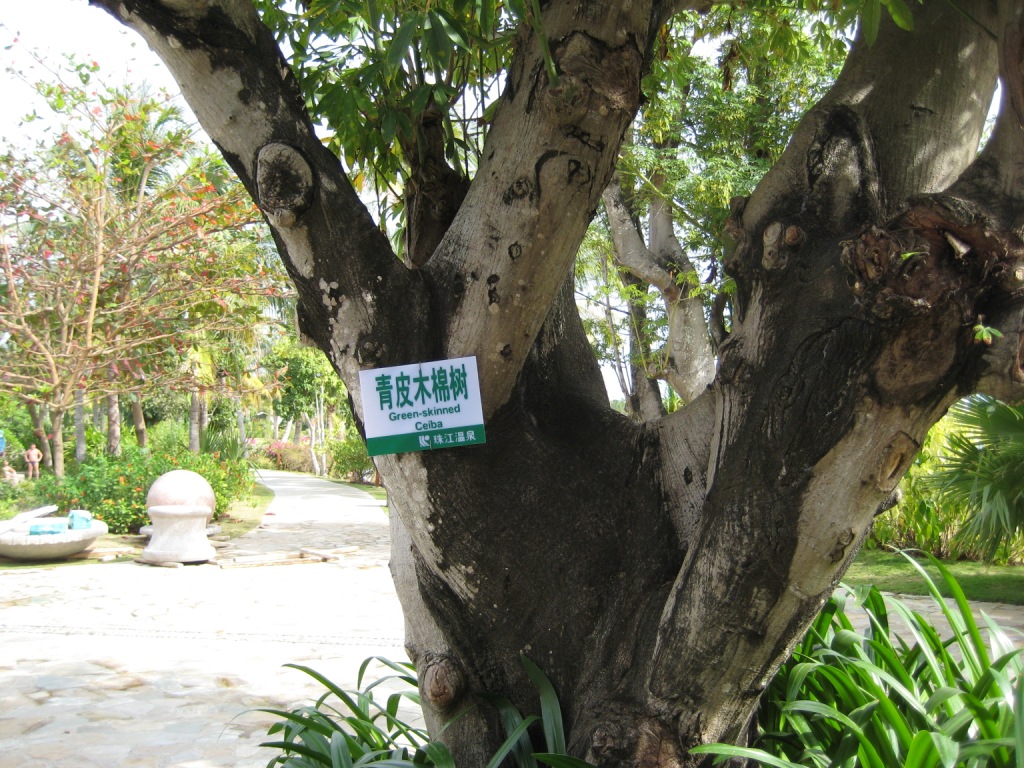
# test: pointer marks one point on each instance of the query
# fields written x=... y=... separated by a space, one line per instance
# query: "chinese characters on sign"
x=422 y=407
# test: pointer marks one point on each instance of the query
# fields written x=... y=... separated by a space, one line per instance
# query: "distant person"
x=10 y=475
x=32 y=458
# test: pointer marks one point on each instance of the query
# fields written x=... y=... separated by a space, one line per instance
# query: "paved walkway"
x=119 y=665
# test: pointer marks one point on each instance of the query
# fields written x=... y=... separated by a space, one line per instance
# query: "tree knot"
x=442 y=683
x=285 y=183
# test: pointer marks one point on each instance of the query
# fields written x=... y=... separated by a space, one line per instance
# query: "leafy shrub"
x=982 y=472
x=288 y=456
x=14 y=451
x=12 y=499
x=964 y=495
x=168 y=437
x=259 y=459
x=95 y=443
x=875 y=700
x=114 y=488
x=349 y=459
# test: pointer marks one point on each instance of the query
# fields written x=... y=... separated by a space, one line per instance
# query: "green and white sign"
x=422 y=407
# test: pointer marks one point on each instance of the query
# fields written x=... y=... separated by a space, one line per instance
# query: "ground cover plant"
x=902 y=693
x=343 y=729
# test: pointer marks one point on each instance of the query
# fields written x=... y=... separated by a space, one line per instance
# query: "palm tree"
x=983 y=470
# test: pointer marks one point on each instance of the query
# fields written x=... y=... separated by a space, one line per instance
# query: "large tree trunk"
x=658 y=572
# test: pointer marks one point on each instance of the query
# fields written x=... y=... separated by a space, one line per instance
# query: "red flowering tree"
x=122 y=243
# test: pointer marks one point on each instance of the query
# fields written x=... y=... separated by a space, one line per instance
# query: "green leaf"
x=510 y=742
x=930 y=749
x=551 y=711
x=901 y=14
x=453 y=30
x=439 y=44
x=439 y=754
x=869 y=19
x=340 y=757
x=402 y=41
x=562 y=761
x=728 y=750
x=1018 y=719
x=485 y=13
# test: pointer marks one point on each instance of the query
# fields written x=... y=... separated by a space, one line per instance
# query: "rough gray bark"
x=659 y=573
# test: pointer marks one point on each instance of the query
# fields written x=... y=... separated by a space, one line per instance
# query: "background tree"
x=105 y=228
x=723 y=96
x=308 y=391
x=659 y=571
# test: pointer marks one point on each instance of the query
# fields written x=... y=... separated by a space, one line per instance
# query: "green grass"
x=891 y=572
x=377 y=491
x=244 y=516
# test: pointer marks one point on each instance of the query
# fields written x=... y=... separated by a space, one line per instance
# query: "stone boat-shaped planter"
x=16 y=543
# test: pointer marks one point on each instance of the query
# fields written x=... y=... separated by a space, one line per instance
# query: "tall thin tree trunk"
x=193 y=422
x=81 y=449
x=139 y=420
x=311 y=429
x=57 y=418
x=99 y=413
x=204 y=413
x=242 y=437
x=113 y=425
x=37 y=414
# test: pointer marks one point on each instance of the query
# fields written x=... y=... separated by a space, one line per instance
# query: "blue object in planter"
x=79 y=519
x=54 y=525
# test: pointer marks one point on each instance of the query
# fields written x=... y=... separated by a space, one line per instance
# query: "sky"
x=53 y=29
